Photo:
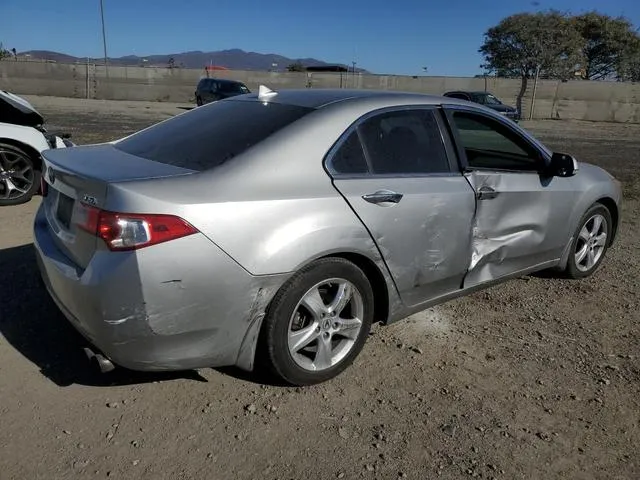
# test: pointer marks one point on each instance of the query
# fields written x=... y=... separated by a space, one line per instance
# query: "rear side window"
x=349 y=159
x=404 y=142
x=206 y=137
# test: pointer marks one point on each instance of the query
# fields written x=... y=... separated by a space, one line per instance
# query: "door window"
x=490 y=145
x=349 y=159
x=404 y=142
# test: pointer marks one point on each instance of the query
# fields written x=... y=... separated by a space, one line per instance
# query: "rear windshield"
x=211 y=135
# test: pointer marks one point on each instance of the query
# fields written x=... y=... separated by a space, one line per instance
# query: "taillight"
x=132 y=231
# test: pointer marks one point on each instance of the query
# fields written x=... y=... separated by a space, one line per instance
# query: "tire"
x=588 y=238
x=327 y=342
x=19 y=175
x=198 y=101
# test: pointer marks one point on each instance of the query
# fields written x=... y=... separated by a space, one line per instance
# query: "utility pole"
x=104 y=40
x=353 y=74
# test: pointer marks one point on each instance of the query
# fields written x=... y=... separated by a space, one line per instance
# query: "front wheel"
x=318 y=322
x=19 y=177
x=198 y=101
x=591 y=241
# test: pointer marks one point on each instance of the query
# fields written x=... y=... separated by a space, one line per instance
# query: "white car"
x=23 y=138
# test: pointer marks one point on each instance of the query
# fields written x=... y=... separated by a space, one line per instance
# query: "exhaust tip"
x=104 y=364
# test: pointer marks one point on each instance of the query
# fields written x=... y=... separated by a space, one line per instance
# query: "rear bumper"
x=175 y=306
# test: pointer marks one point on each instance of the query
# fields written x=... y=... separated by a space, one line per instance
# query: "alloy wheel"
x=16 y=175
x=591 y=243
x=325 y=324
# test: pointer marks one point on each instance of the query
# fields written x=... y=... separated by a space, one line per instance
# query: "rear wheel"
x=591 y=241
x=19 y=177
x=318 y=322
x=198 y=101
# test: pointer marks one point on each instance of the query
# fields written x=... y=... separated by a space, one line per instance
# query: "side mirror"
x=563 y=165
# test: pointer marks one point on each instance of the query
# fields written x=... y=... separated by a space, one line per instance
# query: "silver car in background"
x=271 y=229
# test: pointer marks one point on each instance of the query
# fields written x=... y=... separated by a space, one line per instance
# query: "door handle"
x=486 y=193
x=383 y=196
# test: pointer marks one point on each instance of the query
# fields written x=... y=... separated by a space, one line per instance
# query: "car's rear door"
x=394 y=169
x=521 y=217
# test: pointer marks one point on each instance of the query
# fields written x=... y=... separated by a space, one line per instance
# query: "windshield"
x=232 y=87
x=486 y=99
x=209 y=136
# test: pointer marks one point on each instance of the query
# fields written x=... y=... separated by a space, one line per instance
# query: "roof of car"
x=318 y=98
x=221 y=80
x=472 y=92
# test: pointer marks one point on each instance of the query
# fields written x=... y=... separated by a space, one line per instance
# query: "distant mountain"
x=234 y=59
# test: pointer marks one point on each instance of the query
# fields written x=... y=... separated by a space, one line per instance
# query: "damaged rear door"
x=398 y=174
x=521 y=213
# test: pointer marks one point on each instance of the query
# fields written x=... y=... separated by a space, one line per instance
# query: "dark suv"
x=488 y=100
x=212 y=89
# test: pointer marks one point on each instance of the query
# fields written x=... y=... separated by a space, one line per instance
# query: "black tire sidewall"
x=276 y=327
x=572 y=269
x=36 y=178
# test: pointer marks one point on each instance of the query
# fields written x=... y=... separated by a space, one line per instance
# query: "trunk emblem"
x=88 y=199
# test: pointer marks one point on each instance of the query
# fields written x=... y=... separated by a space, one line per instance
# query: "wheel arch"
x=248 y=353
x=611 y=205
x=31 y=151
x=376 y=279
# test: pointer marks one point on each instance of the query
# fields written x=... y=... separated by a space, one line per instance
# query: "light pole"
x=104 y=39
x=353 y=73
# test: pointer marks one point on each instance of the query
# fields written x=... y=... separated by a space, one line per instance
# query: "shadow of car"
x=34 y=326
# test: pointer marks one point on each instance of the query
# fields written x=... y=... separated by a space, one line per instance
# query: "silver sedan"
x=271 y=229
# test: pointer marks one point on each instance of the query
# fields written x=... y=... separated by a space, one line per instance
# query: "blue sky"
x=383 y=36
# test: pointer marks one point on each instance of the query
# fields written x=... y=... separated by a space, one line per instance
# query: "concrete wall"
x=581 y=100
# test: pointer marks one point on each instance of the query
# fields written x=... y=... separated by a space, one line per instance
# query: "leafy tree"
x=607 y=43
x=629 y=67
x=296 y=67
x=526 y=44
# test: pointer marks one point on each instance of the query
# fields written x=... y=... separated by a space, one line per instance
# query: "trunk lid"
x=80 y=176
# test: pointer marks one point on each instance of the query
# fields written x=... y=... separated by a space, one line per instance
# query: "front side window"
x=490 y=145
x=404 y=142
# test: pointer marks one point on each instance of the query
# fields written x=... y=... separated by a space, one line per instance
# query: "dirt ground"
x=537 y=378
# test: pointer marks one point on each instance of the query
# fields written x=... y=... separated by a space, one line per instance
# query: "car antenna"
x=265 y=92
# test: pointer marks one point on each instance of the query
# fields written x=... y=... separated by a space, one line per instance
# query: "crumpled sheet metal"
x=503 y=230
